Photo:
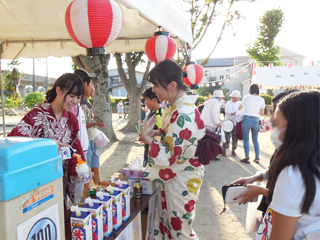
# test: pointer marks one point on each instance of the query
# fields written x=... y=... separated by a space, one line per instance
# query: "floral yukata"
x=172 y=164
x=41 y=122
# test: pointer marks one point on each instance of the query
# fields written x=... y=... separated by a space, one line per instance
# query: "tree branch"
x=121 y=72
x=145 y=78
x=219 y=38
x=208 y=24
x=138 y=59
x=131 y=68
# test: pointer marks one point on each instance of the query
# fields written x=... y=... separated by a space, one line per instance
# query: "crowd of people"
x=171 y=133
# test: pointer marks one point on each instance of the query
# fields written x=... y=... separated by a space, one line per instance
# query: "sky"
x=300 y=34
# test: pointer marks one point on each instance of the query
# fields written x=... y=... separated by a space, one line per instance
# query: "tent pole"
x=2 y=99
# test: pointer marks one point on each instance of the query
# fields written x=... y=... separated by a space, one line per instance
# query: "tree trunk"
x=131 y=85
x=101 y=98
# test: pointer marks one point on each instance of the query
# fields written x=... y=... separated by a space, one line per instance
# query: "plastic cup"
x=83 y=173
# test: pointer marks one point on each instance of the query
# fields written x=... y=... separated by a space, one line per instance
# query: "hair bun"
x=184 y=74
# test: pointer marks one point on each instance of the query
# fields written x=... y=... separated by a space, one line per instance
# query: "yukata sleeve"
x=75 y=144
x=180 y=142
x=25 y=126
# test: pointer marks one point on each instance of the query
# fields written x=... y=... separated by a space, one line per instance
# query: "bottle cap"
x=137 y=180
x=88 y=200
x=76 y=209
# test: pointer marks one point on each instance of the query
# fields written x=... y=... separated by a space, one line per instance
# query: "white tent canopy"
x=40 y=25
x=296 y=76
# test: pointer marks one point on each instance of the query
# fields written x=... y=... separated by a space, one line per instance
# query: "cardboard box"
x=125 y=190
x=116 y=208
x=96 y=212
x=106 y=214
x=81 y=226
x=148 y=187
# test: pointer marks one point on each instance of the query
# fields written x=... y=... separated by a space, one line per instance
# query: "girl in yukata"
x=53 y=120
x=171 y=162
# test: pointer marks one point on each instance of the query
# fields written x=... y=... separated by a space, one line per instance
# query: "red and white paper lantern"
x=289 y=65
x=271 y=65
x=201 y=85
x=213 y=84
x=160 y=47
x=254 y=72
x=207 y=85
x=235 y=76
x=194 y=74
x=228 y=80
x=312 y=63
x=220 y=83
x=254 y=65
x=260 y=86
x=93 y=24
x=245 y=70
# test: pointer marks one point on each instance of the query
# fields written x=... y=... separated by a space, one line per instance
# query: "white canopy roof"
x=41 y=25
x=277 y=77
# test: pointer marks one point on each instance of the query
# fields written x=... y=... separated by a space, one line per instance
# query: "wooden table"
x=136 y=206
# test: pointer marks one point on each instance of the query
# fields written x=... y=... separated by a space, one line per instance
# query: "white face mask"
x=275 y=134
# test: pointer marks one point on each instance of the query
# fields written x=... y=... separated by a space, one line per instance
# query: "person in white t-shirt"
x=294 y=189
x=231 y=110
x=211 y=111
x=254 y=107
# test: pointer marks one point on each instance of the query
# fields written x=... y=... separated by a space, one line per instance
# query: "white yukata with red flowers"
x=172 y=164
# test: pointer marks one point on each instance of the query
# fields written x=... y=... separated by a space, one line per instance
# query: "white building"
x=222 y=68
x=115 y=85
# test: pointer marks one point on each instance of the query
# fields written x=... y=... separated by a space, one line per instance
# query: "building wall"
x=222 y=72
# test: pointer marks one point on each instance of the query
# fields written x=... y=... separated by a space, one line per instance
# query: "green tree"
x=203 y=13
x=263 y=49
x=11 y=80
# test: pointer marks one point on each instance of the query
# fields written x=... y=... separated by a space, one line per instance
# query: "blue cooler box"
x=31 y=189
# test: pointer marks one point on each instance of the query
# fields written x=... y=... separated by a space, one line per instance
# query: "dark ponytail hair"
x=67 y=82
x=300 y=148
x=166 y=72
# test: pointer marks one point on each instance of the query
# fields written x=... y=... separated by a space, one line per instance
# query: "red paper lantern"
x=194 y=74
x=207 y=85
x=289 y=65
x=271 y=65
x=281 y=87
x=201 y=85
x=220 y=83
x=254 y=65
x=213 y=84
x=228 y=80
x=160 y=47
x=235 y=76
x=93 y=24
x=245 y=70
x=254 y=72
x=312 y=63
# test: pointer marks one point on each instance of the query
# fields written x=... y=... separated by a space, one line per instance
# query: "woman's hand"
x=60 y=144
x=250 y=194
x=246 y=180
x=147 y=131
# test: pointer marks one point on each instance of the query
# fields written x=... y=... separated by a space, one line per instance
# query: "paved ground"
x=208 y=223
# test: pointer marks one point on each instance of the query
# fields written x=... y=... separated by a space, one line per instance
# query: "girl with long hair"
x=294 y=183
x=171 y=162
x=53 y=120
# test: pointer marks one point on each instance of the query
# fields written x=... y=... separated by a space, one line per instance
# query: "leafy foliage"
x=11 y=80
x=13 y=102
x=200 y=99
x=263 y=49
x=114 y=102
x=34 y=99
x=267 y=98
x=204 y=13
